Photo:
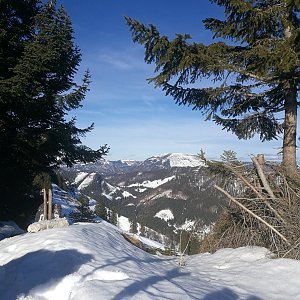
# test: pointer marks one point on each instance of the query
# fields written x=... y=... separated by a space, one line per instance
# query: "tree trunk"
x=290 y=134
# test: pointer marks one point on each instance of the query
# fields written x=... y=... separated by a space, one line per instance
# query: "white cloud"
x=123 y=59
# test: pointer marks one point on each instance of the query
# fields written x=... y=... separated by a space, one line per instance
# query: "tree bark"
x=290 y=134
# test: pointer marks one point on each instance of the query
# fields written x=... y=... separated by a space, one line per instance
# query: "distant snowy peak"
x=179 y=160
x=184 y=160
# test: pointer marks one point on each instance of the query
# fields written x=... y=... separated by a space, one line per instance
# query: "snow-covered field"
x=93 y=261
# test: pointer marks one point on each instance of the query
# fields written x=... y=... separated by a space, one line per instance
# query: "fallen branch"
x=262 y=177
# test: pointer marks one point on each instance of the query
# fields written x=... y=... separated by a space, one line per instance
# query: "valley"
x=164 y=193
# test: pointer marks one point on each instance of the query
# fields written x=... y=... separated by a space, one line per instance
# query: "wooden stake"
x=50 y=204
x=45 y=204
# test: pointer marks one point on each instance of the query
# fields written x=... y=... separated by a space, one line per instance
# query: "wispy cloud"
x=123 y=59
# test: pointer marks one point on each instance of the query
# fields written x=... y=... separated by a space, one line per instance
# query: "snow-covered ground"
x=93 y=261
x=152 y=184
x=86 y=182
x=165 y=214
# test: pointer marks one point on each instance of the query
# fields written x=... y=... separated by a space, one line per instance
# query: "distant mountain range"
x=164 y=192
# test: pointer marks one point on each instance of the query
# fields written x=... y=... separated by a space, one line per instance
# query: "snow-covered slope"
x=93 y=261
x=184 y=160
x=165 y=214
x=171 y=160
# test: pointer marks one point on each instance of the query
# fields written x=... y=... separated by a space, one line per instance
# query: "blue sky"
x=131 y=116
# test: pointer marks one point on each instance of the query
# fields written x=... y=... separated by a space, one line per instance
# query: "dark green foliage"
x=83 y=213
x=143 y=230
x=133 y=226
x=256 y=76
x=38 y=61
x=113 y=217
x=100 y=209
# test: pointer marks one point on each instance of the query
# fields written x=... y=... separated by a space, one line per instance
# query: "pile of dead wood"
x=263 y=209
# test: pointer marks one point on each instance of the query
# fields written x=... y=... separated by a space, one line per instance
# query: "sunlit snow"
x=123 y=223
x=165 y=214
x=93 y=261
x=184 y=160
x=126 y=194
x=152 y=184
x=80 y=176
x=86 y=182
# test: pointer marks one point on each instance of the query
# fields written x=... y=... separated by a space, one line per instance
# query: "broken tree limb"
x=262 y=177
x=252 y=214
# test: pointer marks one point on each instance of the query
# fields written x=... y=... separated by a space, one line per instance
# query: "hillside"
x=142 y=191
x=93 y=261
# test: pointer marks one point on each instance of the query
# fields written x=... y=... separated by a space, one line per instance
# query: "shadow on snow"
x=38 y=269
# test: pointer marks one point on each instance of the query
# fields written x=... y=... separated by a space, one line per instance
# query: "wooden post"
x=50 y=205
x=45 y=204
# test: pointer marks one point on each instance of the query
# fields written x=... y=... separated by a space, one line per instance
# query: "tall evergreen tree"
x=38 y=61
x=257 y=77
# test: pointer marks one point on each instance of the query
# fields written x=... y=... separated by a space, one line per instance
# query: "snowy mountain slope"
x=176 y=181
x=93 y=261
x=170 y=160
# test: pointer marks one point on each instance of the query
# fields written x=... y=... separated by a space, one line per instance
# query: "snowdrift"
x=93 y=261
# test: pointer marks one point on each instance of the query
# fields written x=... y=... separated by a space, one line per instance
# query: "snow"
x=112 y=190
x=151 y=243
x=123 y=223
x=8 y=229
x=93 y=261
x=152 y=184
x=80 y=176
x=184 y=160
x=165 y=214
x=126 y=194
x=86 y=182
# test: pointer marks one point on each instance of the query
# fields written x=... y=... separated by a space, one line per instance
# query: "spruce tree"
x=100 y=209
x=38 y=62
x=133 y=226
x=113 y=216
x=83 y=212
x=256 y=73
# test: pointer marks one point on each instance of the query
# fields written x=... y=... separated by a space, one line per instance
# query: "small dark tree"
x=143 y=230
x=83 y=213
x=113 y=217
x=256 y=78
x=100 y=209
x=133 y=226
